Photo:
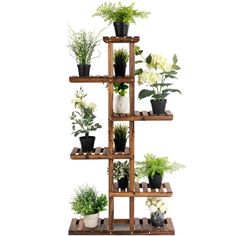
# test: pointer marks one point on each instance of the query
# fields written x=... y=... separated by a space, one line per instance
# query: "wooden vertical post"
x=110 y=133
x=131 y=136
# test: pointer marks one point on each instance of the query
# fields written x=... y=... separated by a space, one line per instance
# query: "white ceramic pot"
x=121 y=104
x=91 y=221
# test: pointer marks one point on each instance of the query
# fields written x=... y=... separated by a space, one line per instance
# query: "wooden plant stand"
x=132 y=225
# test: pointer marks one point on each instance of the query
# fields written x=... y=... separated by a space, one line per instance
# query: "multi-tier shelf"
x=132 y=225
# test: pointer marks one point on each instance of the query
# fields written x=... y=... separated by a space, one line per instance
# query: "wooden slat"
x=105 y=151
x=168 y=188
x=137 y=224
x=126 y=150
x=137 y=113
x=81 y=225
x=145 y=224
x=168 y=113
x=144 y=187
x=121 y=194
x=116 y=189
x=74 y=151
x=97 y=150
x=136 y=186
x=145 y=113
x=128 y=39
x=73 y=225
x=170 y=226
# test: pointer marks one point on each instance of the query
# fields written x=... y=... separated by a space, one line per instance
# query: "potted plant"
x=155 y=76
x=88 y=204
x=158 y=208
x=121 y=57
x=82 y=45
x=120 y=15
x=154 y=168
x=121 y=173
x=121 y=101
x=83 y=120
x=120 y=137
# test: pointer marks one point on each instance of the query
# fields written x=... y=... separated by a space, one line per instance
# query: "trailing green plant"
x=153 y=165
x=120 y=131
x=117 y=12
x=83 y=117
x=121 y=56
x=157 y=71
x=82 y=44
x=120 y=88
x=120 y=170
x=87 y=201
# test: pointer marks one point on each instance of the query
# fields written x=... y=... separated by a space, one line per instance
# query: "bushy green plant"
x=82 y=44
x=117 y=12
x=121 y=56
x=120 y=131
x=87 y=201
x=120 y=170
x=155 y=165
x=83 y=117
x=157 y=71
x=120 y=88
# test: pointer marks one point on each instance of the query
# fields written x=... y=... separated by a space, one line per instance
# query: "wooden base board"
x=121 y=227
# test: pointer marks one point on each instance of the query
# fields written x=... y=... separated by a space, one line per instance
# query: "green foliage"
x=120 y=170
x=83 y=117
x=117 y=12
x=121 y=56
x=82 y=44
x=156 y=165
x=87 y=201
x=120 y=88
x=120 y=131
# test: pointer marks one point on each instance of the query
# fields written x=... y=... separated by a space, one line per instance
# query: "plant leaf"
x=175 y=59
x=149 y=59
x=139 y=61
x=171 y=90
x=138 y=71
x=145 y=93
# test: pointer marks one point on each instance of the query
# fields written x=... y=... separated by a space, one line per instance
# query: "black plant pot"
x=121 y=29
x=120 y=145
x=87 y=143
x=123 y=182
x=158 y=107
x=157 y=219
x=156 y=181
x=120 y=69
x=83 y=69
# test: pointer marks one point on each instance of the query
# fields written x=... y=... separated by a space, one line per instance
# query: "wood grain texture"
x=101 y=79
x=128 y=39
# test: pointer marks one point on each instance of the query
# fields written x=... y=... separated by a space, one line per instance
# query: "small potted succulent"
x=155 y=76
x=121 y=173
x=120 y=15
x=120 y=137
x=83 y=120
x=121 y=101
x=121 y=57
x=154 y=168
x=88 y=204
x=82 y=45
x=158 y=208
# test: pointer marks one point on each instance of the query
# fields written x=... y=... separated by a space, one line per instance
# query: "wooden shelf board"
x=122 y=227
x=100 y=79
x=142 y=190
x=142 y=116
x=98 y=153
x=128 y=39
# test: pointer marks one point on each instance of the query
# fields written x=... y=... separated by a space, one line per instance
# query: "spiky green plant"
x=121 y=56
x=155 y=165
x=87 y=201
x=120 y=131
x=117 y=12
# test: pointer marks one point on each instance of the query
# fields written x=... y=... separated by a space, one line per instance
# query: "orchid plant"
x=157 y=71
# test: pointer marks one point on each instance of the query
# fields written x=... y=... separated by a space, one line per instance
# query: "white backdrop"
x=37 y=177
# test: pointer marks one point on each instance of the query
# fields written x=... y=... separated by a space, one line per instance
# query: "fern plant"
x=120 y=131
x=156 y=165
x=117 y=12
x=87 y=201
x=121 y=56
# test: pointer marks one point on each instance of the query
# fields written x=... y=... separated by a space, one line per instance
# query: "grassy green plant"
x=82 y=44
x=120 y=170
x=121 y=56
x=87 y=201
x=120 y=131
x=117 y=12
x=120 y=88
x=155 y=165
x=83 y=117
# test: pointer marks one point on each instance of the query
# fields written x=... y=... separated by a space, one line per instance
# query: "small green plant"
x=82 y=44
x=120 y=88
x=120 y=131
x=121 y=56
x=120 y=170
x=87 y=201
x=156 y=165
x=156 y=74
x=83 y=117
x=116 y=12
